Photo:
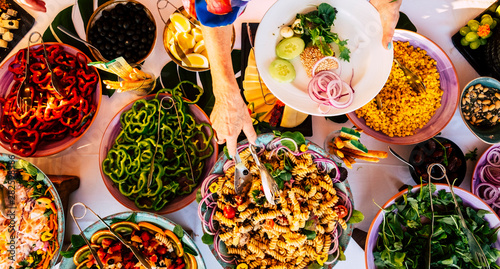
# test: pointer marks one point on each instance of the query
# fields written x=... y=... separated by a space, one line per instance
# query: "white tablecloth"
x=370 y=183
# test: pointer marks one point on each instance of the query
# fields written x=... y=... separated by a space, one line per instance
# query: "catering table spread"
x=371 y=183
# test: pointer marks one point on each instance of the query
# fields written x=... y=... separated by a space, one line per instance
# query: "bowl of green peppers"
x=175 y=156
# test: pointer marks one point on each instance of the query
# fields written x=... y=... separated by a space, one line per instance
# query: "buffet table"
x=371 y=184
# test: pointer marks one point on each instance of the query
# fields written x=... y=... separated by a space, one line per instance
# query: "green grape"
x=473 y=25
x=464 y=30
x=494 y=24
x=482 y=41
x=487 y=20
x=464 y=42
x=475 y=44
x=486 y=16
x=471 y=36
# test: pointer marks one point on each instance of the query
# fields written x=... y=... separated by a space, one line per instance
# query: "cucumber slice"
x=282 y=71
x=290 y=48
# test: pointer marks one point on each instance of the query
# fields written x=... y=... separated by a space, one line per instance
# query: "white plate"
x=359 y=22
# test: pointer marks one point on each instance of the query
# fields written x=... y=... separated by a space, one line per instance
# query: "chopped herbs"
x=317 y=30
x=471 y=155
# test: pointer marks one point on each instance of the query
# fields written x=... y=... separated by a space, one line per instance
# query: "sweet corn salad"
x=403 y=111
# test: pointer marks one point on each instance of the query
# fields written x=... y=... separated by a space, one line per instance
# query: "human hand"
x=229 y=117
x=389 y=15
x=37 y=5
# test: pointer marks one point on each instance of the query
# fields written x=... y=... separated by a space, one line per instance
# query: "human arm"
x=37 y=5
x=230 y=114
x=389 y=15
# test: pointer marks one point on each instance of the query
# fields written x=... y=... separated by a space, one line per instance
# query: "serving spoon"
x=403 y=160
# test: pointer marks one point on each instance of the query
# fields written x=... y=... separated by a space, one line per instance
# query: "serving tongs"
x=475 y=249
x=429 y=240
x=161 y=106
x=268 y=183
x=190 y=18
x=137 y=253
x=415 y=81
x=242 y=177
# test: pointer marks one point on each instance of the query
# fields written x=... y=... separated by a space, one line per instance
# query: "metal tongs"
x=242 y=177
x=137 y=253
x=152 y=166
x=429 y=241
x=268 y=183
x=415 y=81
x=475 y=249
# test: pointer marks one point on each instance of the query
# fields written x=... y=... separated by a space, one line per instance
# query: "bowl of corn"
x=401 y=115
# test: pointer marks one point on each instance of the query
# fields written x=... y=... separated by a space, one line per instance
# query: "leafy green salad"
x=404 y=232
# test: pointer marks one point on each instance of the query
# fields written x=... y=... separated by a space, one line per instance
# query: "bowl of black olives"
x=122 y=28
x=438 y=150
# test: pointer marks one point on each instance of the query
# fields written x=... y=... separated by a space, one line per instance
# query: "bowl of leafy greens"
x=398 y=235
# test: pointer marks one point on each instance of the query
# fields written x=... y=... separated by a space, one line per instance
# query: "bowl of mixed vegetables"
x=173 y=156
x=32 y=225
x=55 y=121
x=398 y=236
x=164 y=243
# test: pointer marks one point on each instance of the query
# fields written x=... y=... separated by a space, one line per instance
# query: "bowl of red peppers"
x=55 y=121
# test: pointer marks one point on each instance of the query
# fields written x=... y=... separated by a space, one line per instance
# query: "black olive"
x=98 y=41
x=105 y=14
x=151 y=37
x=121 y=37
x=135 y=37
x=108 y=46
x=129 y=5
x=152 y=28
x=127 y=54
x=99 y=29
x=139 y=7
x=144 y=40
x=111 y=261
x=120 y=51
x=135 y=44
x=138 y=19
x=105 y=27
x=128 y=42
x=126 y=25
x=130 y=32
x=417 y=157
x=120 y=24
x=144 y=28
x=102 y=33
x=143 y=52
x=121 y=44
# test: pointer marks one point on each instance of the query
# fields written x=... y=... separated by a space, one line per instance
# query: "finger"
x=249 y=132
x=231 y=143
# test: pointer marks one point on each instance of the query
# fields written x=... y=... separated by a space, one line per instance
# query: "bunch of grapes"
x=476 y=33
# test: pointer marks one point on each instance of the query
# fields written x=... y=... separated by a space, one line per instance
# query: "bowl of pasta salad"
x=310 y=223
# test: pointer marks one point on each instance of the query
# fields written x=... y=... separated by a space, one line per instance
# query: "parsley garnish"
x=471 y=155
x=317 y=25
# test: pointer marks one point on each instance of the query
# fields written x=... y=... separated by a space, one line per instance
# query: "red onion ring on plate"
x=327 y=89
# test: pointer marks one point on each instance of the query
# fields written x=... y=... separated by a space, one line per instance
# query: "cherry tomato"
x=341 y=211
x=238 y=199
x=229 y=212
x=269 y=224
x=153 y=258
